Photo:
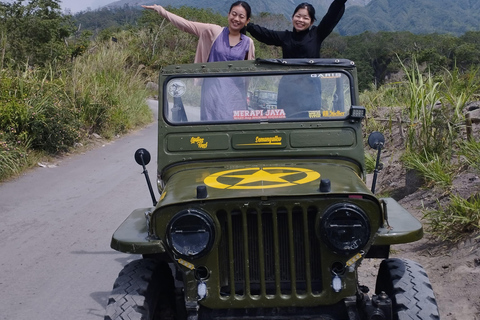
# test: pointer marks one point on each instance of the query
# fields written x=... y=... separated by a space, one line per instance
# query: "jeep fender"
x=132 y=235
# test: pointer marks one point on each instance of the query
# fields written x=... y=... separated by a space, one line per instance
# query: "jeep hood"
x=289 y=178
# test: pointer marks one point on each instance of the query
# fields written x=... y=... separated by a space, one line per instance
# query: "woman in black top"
x=305 y=40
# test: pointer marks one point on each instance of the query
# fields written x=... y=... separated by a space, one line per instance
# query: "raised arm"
x=331 y=19
x=265 y=35
x=195 y=28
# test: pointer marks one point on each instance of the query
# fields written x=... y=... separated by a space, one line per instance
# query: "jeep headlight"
x=190 y=234
x=344 y=228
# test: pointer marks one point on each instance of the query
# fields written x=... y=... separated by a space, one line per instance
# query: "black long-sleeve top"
x=304 y=44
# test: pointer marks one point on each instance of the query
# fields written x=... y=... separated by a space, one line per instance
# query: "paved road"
x=55 y=230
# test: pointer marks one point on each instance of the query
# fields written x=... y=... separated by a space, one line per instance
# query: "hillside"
x=416 y=16
x=285 y=7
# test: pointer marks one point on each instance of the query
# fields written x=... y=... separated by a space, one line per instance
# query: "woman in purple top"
x=222 y=96
x=216 y=43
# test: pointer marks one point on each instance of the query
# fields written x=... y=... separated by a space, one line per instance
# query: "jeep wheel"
x=143 y=290
x=407 y=284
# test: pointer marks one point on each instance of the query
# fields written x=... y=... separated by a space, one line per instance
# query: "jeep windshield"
x=302 y=96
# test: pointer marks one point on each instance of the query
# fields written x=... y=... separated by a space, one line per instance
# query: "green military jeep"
x=265 y=214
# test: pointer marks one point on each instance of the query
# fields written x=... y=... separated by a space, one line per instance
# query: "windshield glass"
x=253 y=98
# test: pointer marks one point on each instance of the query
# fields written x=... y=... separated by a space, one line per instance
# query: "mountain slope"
x=416 y=16
x=285 y=7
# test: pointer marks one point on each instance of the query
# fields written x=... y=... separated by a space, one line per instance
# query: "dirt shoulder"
x=453 y=269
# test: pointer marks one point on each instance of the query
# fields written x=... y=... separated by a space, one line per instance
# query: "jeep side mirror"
x=376 y=141
x=142 y=157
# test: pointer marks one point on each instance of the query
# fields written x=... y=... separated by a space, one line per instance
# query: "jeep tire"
x=144 y=290
x=407 y=284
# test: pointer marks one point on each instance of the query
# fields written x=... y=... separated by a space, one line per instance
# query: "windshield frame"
x=262 y=73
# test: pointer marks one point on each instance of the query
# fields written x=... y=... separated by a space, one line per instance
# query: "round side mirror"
x=142 y=156
x=376 y=139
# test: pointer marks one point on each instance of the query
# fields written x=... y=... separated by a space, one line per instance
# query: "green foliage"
x=370 y=161
x=107 y=18
x=108 y=90
x=434 y=169
x=35 y=113
x=34 y=32
x=458 y=219
x=470 y=150
x=424 y=95
x=378 y=55
x=13 y=158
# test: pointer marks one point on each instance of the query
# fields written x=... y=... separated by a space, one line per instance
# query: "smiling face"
x=301 y=20
x=237 y=18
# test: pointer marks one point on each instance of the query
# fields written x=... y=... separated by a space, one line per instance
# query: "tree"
x=34 y=33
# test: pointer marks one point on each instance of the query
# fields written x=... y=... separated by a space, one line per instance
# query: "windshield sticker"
x=315 y=114
x=261 y=178
x=330 y=113
x=176 y=88
x=259 y=114
x=200 y=142
x=327 y=75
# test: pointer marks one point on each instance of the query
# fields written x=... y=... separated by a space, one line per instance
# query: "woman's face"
x=237 y=18
x=301 y=20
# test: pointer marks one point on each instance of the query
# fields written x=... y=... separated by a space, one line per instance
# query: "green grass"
x=470 y=150
x=456 y=220
x=435 y=170
x=370 y=161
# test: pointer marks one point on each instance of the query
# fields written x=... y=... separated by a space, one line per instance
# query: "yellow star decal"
x=260 y=178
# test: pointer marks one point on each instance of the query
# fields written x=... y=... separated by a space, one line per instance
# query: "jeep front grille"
x=269 y=252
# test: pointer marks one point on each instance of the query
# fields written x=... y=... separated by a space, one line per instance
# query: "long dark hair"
x=245 y=6
x=309 y=7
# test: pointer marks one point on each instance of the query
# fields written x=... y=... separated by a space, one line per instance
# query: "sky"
x=82 y=5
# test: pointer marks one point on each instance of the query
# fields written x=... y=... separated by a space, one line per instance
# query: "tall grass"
x=108 y=90
x=433 y=109
x=455 y=220
x=435 y=170
x=423 y=95
x=45 y=111
x=470 y=150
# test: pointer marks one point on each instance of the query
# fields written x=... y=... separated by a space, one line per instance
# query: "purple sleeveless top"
x=221 y=50
x=222 y=96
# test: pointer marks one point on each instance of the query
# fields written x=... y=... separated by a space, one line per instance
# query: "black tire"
x=144 y=290
x=407 y=284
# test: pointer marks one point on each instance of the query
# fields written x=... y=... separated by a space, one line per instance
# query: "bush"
x=36 y=113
